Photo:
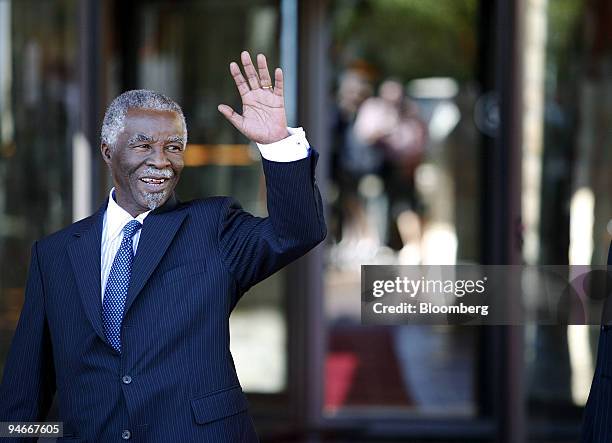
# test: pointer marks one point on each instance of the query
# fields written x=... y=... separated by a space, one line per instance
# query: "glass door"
x=39 y=116
x=404 y=189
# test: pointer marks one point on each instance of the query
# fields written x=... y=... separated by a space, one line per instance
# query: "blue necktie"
x=117 y=286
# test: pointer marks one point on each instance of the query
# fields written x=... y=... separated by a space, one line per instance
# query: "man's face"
x=147 y=159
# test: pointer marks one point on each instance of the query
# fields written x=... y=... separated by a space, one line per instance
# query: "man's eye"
x=175 y=148
x=144 y=146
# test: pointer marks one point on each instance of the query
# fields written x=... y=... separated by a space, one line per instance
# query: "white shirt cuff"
x=293 y=148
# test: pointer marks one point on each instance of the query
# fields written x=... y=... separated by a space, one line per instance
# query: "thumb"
x=233 y=117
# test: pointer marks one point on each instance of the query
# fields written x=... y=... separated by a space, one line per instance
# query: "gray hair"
x=114 y=117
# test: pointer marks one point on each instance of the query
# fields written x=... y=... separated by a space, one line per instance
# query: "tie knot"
x=131 y=228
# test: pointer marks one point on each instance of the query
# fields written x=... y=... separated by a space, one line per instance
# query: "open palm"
x=263 y=118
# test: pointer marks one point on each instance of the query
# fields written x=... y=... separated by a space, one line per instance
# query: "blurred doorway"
x=404 y=189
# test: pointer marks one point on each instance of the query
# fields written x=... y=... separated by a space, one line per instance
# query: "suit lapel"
x=84 y=253
x=158 y=230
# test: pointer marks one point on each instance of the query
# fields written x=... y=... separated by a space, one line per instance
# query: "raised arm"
x=254 y=247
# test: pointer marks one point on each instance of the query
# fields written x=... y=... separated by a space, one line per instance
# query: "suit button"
x=126 y=434
x=127 y=380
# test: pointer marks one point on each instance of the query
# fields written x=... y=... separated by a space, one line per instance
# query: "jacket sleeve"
x=28 y=382
x=253 y=248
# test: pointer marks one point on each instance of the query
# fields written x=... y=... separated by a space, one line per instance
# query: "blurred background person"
x=390 y=123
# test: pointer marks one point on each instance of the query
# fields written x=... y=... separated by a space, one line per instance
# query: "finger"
x=249 y=70
x=278 y=82
x=241 y=83
x=262 y=68
x=233 y=117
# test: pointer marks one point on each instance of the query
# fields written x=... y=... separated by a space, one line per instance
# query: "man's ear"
x=106 y=153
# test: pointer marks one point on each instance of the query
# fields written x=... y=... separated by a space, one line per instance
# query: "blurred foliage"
x=563 y=19
x=564 y=44
x=408 y=38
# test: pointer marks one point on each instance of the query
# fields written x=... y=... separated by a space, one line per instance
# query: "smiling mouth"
x=155 y=184
x=154 y=181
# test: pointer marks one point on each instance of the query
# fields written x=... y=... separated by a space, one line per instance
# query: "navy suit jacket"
x=174 y=380
x=597 y=421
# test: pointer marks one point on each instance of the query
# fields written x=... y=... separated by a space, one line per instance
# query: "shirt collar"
x=117 y=217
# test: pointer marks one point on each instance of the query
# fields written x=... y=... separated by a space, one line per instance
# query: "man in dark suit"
x=597 y=421
x=126 y=312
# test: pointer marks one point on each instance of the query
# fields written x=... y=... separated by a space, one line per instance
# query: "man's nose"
x=158 y=158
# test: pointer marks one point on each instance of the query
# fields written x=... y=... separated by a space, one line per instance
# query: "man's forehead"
x=146 y=113
x=150 y=120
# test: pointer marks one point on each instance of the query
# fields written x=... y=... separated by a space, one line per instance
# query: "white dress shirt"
x=115 y=218
x=293 y=148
